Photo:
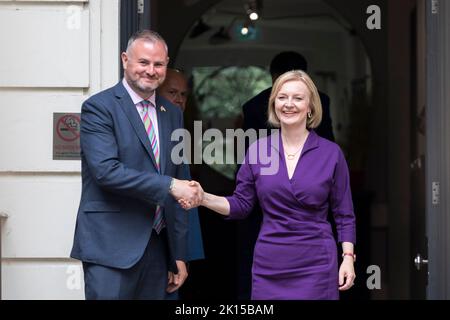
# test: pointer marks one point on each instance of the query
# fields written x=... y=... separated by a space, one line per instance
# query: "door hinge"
x=434 y=6
x=435 y=197
x=140 y=7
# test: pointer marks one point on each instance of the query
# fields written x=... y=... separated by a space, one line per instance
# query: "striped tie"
x=158 y=222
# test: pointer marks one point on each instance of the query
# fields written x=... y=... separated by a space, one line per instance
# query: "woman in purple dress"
x=297 y=177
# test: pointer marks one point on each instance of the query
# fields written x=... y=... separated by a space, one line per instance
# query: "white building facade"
x=55 y=55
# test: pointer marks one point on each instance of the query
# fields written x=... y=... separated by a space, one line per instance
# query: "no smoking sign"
x=66 y=136
x=68 y=127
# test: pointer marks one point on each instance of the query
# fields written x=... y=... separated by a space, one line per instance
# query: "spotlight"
x=247 y=30
x=253 y=9
x=253 y=16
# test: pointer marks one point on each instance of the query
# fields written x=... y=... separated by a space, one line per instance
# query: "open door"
x=438 y=148
x=418 y=157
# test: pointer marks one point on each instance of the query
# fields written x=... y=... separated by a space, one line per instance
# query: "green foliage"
x=221 y=91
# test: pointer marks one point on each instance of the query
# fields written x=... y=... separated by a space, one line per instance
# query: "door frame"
x=135 y=15
x=438 y=148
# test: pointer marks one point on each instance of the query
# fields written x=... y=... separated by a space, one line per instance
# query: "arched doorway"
x=214 y=43
x=368 y=75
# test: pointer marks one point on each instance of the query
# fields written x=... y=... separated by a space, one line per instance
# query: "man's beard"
x=145 y=88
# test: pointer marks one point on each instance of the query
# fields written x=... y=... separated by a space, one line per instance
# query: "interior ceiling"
x=277 y=8
x=275 y=14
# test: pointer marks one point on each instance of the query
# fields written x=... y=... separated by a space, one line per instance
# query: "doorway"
x=379 y=93
x=214 y=43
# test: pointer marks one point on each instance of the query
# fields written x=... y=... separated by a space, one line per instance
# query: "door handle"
x=418 y=261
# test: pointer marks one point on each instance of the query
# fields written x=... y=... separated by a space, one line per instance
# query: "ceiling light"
x=253 y=16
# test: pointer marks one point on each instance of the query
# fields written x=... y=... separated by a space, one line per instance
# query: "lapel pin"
x=162 y=109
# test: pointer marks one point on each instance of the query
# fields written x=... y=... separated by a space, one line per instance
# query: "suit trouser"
x=147 y=279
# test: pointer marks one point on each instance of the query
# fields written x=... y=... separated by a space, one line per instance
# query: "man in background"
x=175 y=88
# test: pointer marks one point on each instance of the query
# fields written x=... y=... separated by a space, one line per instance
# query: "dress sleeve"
x=244 y=196
x=341 y=202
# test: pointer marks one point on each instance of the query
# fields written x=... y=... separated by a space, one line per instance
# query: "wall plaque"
x=66 y=136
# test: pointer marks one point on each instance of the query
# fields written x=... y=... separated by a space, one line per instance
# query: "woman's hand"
x=346 y=274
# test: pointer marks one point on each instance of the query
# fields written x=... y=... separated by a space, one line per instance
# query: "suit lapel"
x=132 y=114
x=164 y=134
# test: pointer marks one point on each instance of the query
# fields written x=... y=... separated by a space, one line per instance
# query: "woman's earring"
x=309 y=115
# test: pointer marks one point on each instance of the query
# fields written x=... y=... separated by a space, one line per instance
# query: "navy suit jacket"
x=255 y=114
x=121 y=185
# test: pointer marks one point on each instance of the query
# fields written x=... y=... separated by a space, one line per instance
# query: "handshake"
x=189 y=194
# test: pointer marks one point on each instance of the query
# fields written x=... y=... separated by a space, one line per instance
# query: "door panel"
x=417 y=155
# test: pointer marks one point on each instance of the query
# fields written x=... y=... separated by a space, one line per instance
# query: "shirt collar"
x=135 y=97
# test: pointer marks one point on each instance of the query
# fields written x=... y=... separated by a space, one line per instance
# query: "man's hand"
x=186 y=204
x=177 y=280
x=190 y=191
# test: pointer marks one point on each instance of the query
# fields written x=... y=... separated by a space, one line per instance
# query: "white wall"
x=57 y=54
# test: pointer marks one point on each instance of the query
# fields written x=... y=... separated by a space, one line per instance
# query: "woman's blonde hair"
x=314 y=99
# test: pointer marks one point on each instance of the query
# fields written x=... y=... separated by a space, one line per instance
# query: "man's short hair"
x=148 y=35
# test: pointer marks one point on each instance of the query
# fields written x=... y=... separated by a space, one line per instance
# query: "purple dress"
x=295 y=255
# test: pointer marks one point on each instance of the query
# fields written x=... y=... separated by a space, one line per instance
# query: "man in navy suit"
x=131 y=234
